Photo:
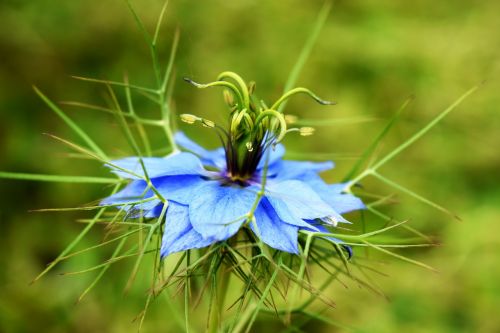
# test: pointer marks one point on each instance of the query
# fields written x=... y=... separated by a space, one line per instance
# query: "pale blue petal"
x=334 y=219
x=156 y=211
x=135 y=191
x=343 y=203
x=178 y=188
x=299 y=199
x=215 y=158
x=178 y=234
x=299 y=169
x=218 y=211
x=182 y=140
x=274 y=232
x=332 y=194
x=283 y=212
x=276 y=153
x=127 y=198
x=147 y=209
x=177 y=164
x=337 y=188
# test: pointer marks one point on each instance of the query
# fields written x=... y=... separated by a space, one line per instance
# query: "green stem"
x=217 y=301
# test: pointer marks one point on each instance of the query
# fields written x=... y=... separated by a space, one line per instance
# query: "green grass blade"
x=405 y=226
x=143 y=251
x=73 y=243
x=139 y=23
x=160 y=21
x=424 y=130
x=411 y=261
x=58 y=178
x=265 y=293
x=140 y=127
x=166 y=111
x=171 y=59
x=89 y=153
x=103 y=270
x=117 y=83
x=306 y=50
x=93 y=207
x=71 y=124
x=413 y=194
x=132 y=142
x=373 y=146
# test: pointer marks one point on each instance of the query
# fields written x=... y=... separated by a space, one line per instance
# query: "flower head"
x=212 y=194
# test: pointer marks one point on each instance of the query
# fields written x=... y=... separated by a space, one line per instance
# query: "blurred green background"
x=370 y=57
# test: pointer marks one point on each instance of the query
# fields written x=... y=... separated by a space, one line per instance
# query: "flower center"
x=242 y=161
x=253 y=127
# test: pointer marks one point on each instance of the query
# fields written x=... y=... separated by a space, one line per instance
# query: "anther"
x=189 y=118
x=306 y=131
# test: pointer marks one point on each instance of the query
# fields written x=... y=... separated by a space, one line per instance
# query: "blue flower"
x=211 y=196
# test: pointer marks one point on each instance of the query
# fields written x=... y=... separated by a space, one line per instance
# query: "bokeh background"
x=370 y=57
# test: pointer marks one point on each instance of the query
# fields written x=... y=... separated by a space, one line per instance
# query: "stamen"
x=240 y=82
x=306 y=131
x=226 y=84
x=251 y=87
x=228 y=98
x=253 y=128
x=296 y=91
x=274 y=115
x=207 y=123
x=189 y=118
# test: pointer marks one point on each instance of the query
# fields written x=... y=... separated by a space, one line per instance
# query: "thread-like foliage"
x=270 y=281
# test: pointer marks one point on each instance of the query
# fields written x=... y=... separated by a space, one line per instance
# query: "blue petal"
x=178 y=234
x=182 y=140
x=178 y=188
x=177 y=164
x=274 y=232
x=299 y=199
x=283 y=212
x=338 y=188
x=298 y=169
x=218 y=211
x=215 y=158
x=135 y=191
x=276 y=153
x=149 y=209
x=343 y=203
x=332 y=194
